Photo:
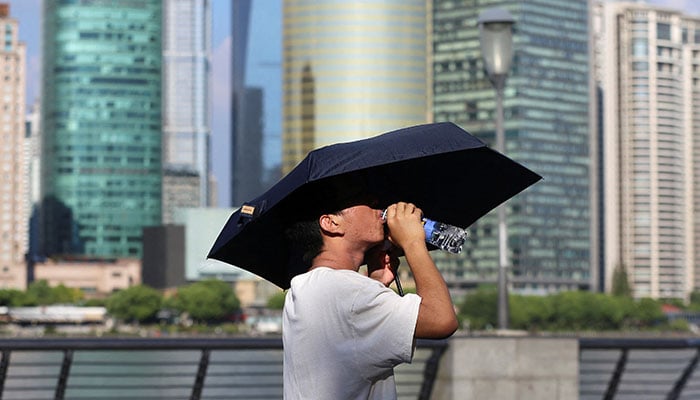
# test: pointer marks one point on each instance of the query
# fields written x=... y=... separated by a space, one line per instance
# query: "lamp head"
x=496 y=38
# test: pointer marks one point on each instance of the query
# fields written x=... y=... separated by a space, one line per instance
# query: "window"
x=663 y=31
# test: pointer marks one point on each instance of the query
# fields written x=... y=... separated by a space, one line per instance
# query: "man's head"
x=358 y=224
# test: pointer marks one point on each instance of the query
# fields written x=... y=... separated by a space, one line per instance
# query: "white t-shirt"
x=343 y=334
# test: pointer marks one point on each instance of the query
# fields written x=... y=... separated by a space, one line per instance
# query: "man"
x=344 y=332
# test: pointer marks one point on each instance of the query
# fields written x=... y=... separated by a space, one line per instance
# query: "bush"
x=207 y=301
x=136 y=304
x=564 y=311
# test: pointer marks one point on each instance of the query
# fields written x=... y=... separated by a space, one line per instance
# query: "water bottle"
x=441 y=235
x=444 y=236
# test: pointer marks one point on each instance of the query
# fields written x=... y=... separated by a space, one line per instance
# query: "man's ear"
x=329 y=223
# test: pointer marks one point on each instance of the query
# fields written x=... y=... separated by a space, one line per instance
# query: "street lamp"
x=496 y=38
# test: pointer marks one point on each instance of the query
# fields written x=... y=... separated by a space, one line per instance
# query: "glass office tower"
x=547 y=128
x=186 y=71
x=101 y=171
x=351 y=70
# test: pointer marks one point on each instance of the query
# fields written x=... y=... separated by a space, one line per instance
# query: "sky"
x=263 y=67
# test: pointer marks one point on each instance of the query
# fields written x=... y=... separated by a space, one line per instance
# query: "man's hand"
x=404 y=221
x=382 y=262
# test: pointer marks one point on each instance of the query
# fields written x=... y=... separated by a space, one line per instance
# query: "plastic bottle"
x=443 y=236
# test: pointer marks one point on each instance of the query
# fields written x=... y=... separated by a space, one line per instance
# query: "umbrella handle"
x=398 y=283
x=387 y=245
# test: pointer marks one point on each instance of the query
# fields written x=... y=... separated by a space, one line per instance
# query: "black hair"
x=304 y=239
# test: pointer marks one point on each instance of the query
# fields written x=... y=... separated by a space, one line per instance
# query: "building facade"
x=551 y=244
x=95 y=278
x=14 y=187
x=186 y=99
x=180 y=190
x=351 y=70
x=101 y=123
x=648 y=73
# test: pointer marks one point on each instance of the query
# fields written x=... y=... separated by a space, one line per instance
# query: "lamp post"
x=496 y=38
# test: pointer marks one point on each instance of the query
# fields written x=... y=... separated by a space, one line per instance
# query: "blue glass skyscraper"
x=101 y=171
x=547 y=127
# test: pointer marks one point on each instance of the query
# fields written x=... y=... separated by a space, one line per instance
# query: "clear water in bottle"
x=444 y=236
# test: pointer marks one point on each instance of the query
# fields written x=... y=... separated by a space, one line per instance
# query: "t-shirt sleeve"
x=383 y=325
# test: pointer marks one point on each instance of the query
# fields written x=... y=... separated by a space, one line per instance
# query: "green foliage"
x=678 y=325
x=94 y=303
x=209 y=300
x=695 y=297
x=530 y=313
x=479 y=309
x=12 y=297
x=136 y=304
x=620 y=282
x=276 y=301
x=39 y=293
x=171 y=303
x=564 y=311
x=648 y=312
x=694 y=301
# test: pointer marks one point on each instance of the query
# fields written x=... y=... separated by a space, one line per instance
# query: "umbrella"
x=451 y=175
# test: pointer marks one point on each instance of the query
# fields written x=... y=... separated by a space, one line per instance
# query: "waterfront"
x=157 y=368
x=464 y=367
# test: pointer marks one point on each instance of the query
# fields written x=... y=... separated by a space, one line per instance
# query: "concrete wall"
x=505 y=368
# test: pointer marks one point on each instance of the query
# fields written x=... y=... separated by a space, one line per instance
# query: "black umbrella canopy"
x=451 y=175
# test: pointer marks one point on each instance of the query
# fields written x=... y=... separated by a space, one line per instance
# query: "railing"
x=169 y=368
x=639 y=369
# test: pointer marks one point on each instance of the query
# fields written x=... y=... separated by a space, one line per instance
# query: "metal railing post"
x=430 y=372
x=201 y=374
x=63 y=376
x=615 y=379
x=3 y=369
x=687 y=372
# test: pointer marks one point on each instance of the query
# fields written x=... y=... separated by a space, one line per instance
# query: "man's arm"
x=436 y=315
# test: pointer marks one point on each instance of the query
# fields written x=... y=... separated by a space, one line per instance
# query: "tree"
x=136 y=304
x=12 y=297
x=207 y=301
x=39 y=293
x=648 y=312
x=620 y=282
x=694 y=301
x=530 y=313
x=276 y=301
x=479 y=308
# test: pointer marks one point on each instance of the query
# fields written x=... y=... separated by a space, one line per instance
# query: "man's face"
x=364 y=224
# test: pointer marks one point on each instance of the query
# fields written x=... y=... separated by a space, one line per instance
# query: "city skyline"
x=27 y=12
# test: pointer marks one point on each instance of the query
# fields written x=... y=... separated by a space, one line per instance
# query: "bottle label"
x=428 y=227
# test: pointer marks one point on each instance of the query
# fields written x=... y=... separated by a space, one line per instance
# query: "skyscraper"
x=351 y=70
x=101 y=107
x=14 y=190
x=647 y=62
x=547 y=128
x=247 y=126
x=186 y=108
